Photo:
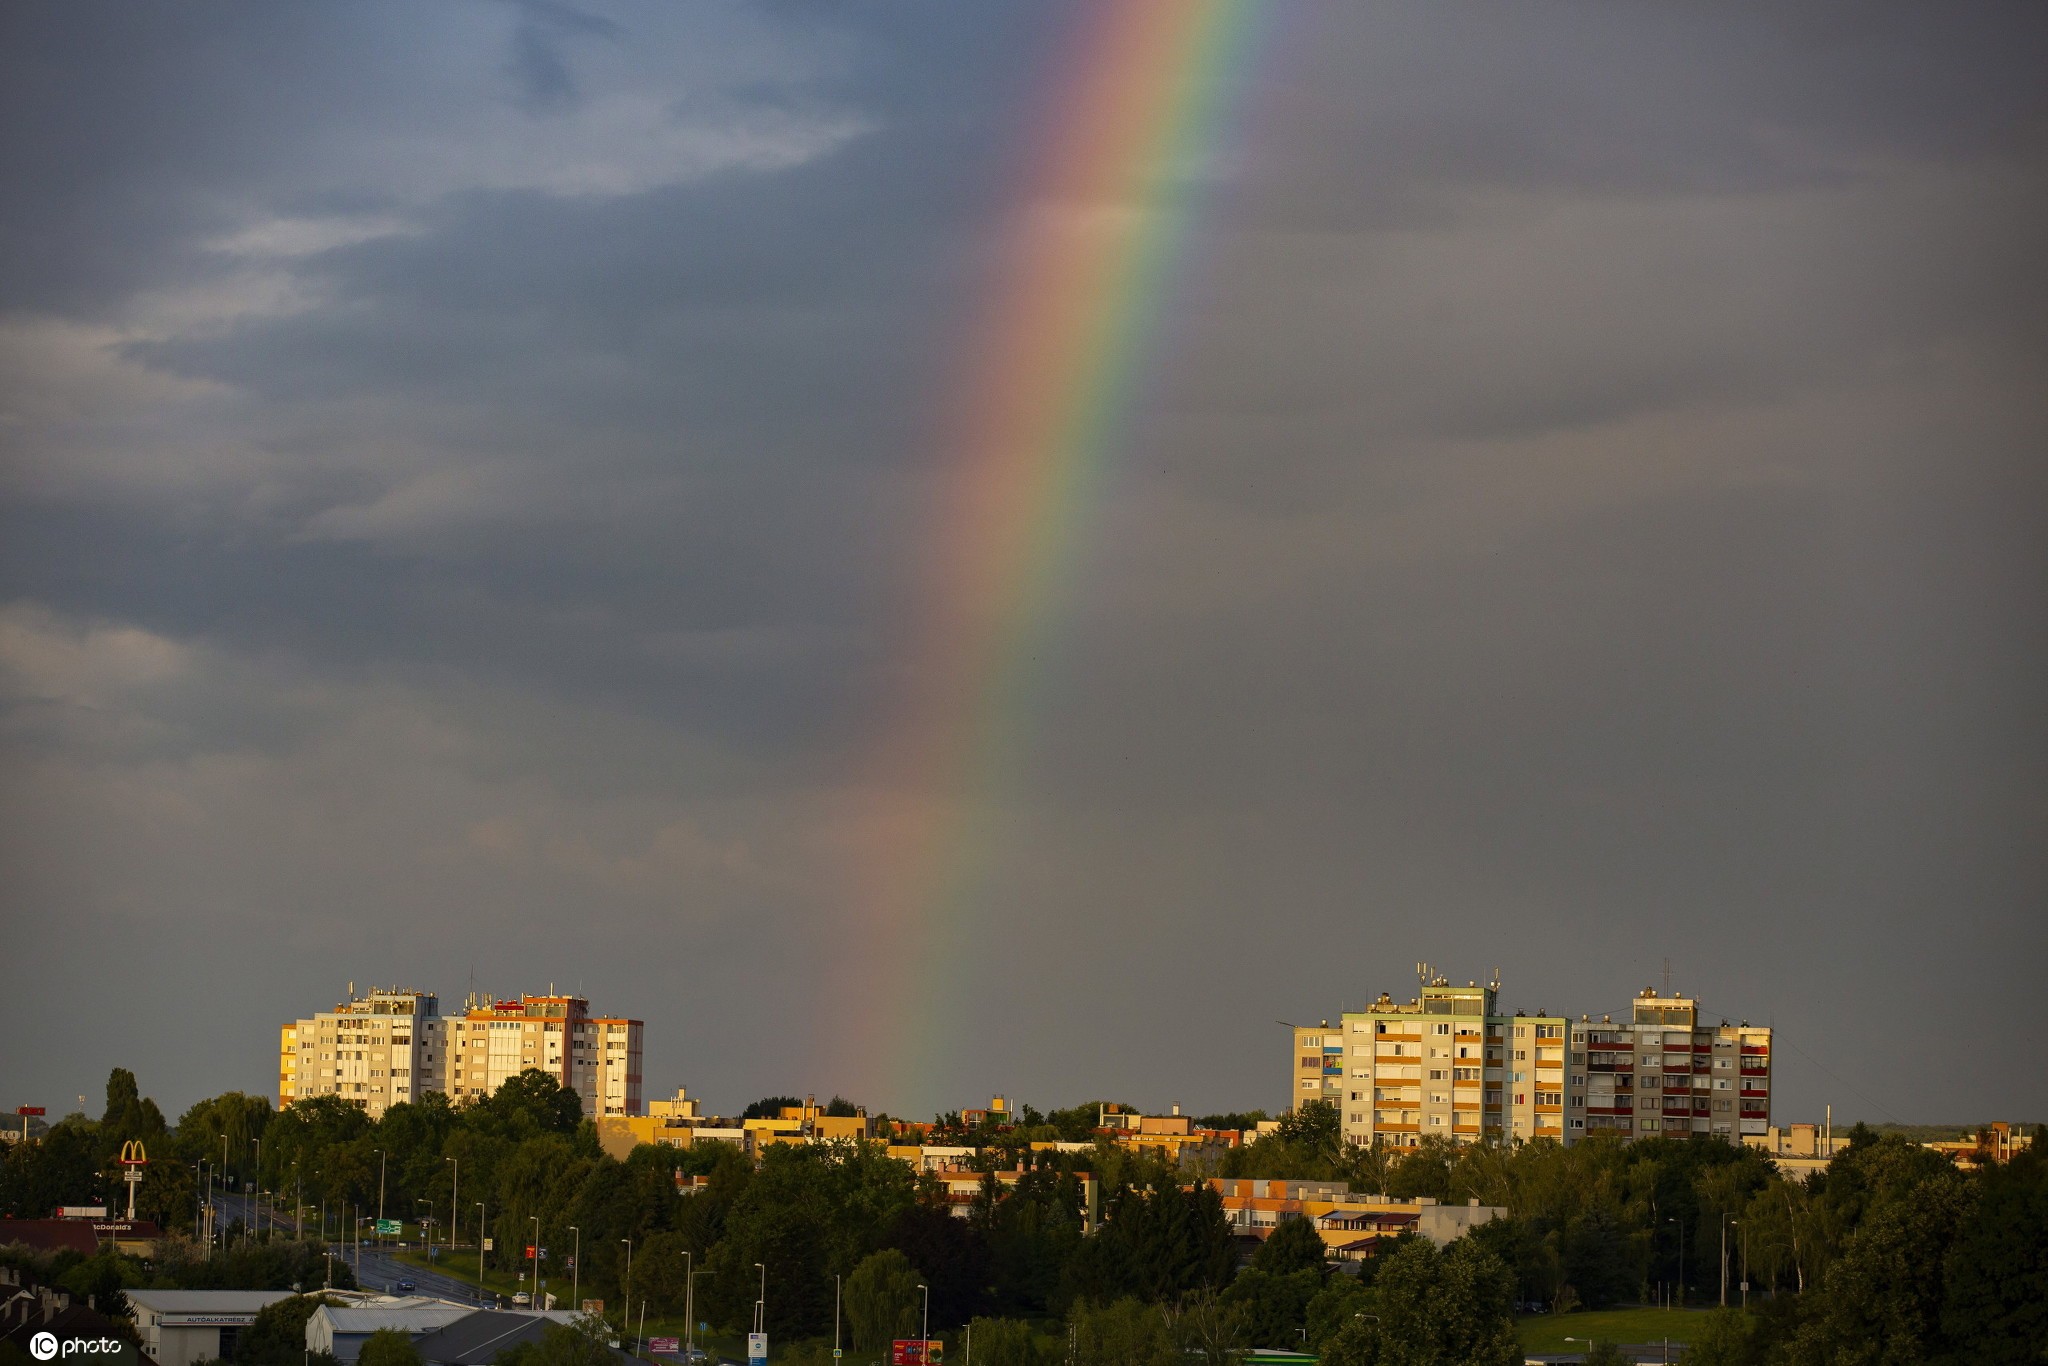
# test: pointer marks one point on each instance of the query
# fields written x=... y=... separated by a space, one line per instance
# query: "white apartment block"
x=1448 y=1063
x=394 y=1045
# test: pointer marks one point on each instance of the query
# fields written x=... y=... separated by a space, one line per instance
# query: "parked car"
x=522 y=1299
x=405 y=1287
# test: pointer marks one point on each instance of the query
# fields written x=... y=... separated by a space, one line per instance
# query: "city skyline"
x=922 y=549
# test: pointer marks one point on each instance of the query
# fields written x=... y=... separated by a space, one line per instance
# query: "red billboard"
x=916 y=1352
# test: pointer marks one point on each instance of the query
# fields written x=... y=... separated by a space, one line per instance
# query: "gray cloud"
x=466 y=478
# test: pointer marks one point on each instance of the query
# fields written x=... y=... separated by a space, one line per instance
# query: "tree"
x=388 y=1347
x=1608 y=1354
x=882 y=1300
x=1294 y=1245
x=1158 y=1243
x=1451 y=1308
x=768 y=1107
x=535 y=1102
x=1726 y=1337
x=1882 y=1297
x=1995 y=1300
x=1125 y=1333
x=1274 y=1307
x=1340 y=1299
x=277 y=1337
x=1004 y=1342
x=586 y=1342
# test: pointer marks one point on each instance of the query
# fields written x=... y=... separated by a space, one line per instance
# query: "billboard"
x=916 y=1352
x=385 y=1226
x=757 y=1349
x=665 y=1347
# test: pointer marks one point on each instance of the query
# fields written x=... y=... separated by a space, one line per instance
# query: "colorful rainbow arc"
x=1135 y=122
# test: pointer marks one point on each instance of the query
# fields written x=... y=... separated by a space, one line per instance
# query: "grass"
x=1547 y=1332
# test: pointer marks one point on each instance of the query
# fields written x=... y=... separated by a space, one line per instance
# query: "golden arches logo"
x=132 y=1154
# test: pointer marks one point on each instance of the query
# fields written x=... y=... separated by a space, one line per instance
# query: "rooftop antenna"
x=1495 y=984
x=1667 y=976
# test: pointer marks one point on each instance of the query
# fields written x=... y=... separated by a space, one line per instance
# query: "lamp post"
x=761 y=1302
x=1724 y=1259
x=252 y=1192
x=535 y=1260
x=576 y=1270
x=835 y=1322
x=690 y=1309
x=381 y=1158
x=482 y=1222
x=924 y=1342
x=1745 y=1260
x=454 y=1194
x=1681 y=1261
x=626 y=1293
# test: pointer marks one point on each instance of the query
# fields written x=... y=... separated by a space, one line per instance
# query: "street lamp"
x=482 y=1222
x=626 y=1293
x=535 y=1259
x=1681 y=1261
x=576 y=1270
x=835 y=1322
x=454 y=1194
x=761 y=1303
x=924 y=1345
x=381 y=1158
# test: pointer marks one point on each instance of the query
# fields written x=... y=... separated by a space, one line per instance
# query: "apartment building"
x=1447 y=1062
x=376 y=1050
x=394 y=1045
x=1663 y=1072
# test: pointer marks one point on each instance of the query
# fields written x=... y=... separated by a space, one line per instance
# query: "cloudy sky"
x=465 y=470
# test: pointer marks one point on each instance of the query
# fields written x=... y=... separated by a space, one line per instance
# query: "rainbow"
x=1137 y=114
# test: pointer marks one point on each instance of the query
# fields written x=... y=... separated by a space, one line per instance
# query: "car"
x=405 y=1287
x=522 y=1299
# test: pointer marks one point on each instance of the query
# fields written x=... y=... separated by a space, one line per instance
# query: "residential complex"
x=394 y=1045
x=1447 y=1062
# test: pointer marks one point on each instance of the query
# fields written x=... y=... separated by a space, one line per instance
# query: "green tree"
x=388 y=1347
x=1159 y=1243
x=1336 y=1304
x=1608 y=1354
x=1294 y=1245
x=882 y=1300
x=1004 y=1342
x=277 y=1337
x=1124 y=1333
x=1995 y=1296
x=1726 y=1337
x=1450 y=1308
x=1883 y=1295
x=1274 y=1306
x=586 y=1342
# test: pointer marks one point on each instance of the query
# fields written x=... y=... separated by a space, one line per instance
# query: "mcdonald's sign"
x=132 y=1154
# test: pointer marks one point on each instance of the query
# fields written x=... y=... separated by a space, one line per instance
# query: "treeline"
x=1891 y=1245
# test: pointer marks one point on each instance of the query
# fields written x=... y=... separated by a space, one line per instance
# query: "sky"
x=468 y=474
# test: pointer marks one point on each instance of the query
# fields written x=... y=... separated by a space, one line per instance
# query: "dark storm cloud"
x=466 y=471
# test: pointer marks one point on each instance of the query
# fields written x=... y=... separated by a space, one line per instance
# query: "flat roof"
x=206 y=1301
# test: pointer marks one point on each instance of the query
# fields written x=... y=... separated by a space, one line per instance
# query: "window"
x=1442 y=1029
x=1436 y=1074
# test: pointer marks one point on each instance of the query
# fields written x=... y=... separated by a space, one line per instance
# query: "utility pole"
x=482 y=1222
